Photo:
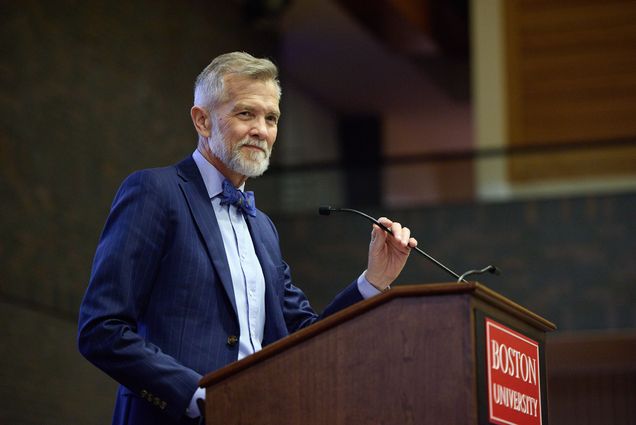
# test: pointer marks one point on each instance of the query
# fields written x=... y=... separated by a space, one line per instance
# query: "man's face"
x=244 y=125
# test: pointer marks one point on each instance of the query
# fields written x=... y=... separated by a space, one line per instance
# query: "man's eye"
x=245 y=114
x=273 y=119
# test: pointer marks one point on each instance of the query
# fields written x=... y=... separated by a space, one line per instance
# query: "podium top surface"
x=473 y=289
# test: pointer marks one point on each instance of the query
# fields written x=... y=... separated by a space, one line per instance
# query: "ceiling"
x=368 y=56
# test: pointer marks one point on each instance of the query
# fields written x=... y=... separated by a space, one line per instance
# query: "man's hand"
x=388 y=253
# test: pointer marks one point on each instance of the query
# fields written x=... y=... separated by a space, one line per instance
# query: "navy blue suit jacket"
x=160 y=306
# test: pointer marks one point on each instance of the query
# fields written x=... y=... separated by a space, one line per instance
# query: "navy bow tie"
x=244 y=201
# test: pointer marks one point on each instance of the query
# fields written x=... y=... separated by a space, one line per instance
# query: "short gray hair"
x=209 y=86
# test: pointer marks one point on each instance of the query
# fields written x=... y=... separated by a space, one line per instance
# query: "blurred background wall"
x=500 y=131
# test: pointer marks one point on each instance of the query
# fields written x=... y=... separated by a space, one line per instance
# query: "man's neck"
x=237 y=179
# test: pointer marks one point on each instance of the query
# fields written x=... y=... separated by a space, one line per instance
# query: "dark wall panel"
x=89 y=91
x=570 y=260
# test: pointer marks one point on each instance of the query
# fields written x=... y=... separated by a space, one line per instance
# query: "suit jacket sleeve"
x=124 y=268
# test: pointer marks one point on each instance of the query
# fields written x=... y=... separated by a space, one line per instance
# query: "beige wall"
x=559 y=77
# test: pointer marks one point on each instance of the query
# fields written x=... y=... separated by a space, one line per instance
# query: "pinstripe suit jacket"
x=160 y=307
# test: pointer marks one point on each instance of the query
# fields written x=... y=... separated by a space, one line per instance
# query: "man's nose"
x=259 y=128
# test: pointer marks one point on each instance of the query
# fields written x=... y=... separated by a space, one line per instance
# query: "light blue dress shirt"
x=248 y=281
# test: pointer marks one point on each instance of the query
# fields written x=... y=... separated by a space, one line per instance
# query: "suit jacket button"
x=232 y=340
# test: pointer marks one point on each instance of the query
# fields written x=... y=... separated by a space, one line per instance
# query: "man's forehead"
x=251 y=92
x=239 y=83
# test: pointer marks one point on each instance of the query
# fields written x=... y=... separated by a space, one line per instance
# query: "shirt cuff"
x=193 y=409
x=366 y=289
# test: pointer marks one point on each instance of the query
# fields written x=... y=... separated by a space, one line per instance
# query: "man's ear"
x=201 y=120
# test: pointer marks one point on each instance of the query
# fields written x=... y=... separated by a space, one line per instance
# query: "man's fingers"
x=401 y=235
x=378 y=235
x=405 y=235
x=385 y=222
x=396 y=228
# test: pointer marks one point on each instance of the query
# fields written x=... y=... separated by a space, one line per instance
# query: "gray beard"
x=247 y=163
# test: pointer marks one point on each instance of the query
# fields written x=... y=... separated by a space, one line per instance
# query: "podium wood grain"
x=404 y=357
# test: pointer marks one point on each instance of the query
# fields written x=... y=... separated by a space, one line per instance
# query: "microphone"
x=488 y=269
x=327 y=210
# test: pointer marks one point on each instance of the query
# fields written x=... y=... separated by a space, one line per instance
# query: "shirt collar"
x=212 y=178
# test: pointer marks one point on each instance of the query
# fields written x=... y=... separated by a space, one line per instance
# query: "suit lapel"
x=201 y=208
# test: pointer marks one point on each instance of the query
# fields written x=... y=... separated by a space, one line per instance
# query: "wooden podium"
x=413 y=355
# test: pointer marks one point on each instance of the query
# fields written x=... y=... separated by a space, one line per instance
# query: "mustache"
x=261 y=144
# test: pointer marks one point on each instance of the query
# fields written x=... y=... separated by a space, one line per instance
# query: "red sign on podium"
x=514 y=387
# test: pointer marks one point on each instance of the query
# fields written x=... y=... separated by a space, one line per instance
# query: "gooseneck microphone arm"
x=488 y=269
x=326 y=210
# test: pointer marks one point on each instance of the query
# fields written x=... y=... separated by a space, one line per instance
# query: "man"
x=188 y=275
